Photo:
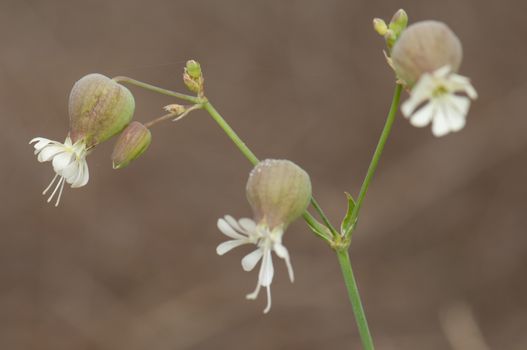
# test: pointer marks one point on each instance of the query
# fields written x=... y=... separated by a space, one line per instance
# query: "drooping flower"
x=99 y=108
x=69 y=163
x=443 y=107
x=278 y=191
x=426 y=58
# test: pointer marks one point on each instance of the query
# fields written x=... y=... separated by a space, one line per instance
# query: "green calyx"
x=132 y=143
x=99 y=108
x=279 y=191
x=425 y=47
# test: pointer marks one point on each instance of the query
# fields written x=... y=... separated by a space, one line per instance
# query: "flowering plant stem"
x=153 y=88
x=342 y=252
x=355 y=300
x=376 y=156
x=339 y=242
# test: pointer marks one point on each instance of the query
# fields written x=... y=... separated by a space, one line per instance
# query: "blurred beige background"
x=129 y=262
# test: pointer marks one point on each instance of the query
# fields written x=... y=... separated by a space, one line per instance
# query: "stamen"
x=268 y=307
x=289 y=268
x=254 y=294
x=49 y=186
x=56 y=188
x=60 y=192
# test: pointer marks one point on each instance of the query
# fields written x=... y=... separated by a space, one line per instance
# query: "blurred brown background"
x=128 y=262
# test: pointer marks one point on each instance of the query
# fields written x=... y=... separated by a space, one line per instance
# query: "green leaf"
x=346 y=223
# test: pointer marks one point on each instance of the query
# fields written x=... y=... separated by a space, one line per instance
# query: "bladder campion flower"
x=99 y=108
x=278 y=191
x=69 y=163
x=426 y=58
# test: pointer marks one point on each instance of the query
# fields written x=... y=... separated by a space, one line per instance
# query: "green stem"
x=312 y=222
x=325 y=232
x=159 y=120
x=324 y=217
x=162 y=91
x=376 y=156
x=231 y=133
x=354 y=297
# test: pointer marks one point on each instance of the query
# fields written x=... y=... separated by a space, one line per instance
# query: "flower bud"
x=175 y=109
x=399 y=22
x=191 y=84
x=425 y=47
x=99 y=108
x=193 y=69
x=278 y=191
x=380 y=26
x=132 y=142
x=193 y=77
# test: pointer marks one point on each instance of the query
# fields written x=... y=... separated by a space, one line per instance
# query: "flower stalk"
x=375 y=159
x=153 y=88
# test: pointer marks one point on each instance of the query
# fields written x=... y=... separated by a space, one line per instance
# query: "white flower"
x=446 y=110
x=69 y=163
x=245 y=231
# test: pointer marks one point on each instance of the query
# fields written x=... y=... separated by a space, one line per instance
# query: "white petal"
x=456 y=121
x=248 y=225
x=410 y=105
x=421 y=92
x=233 y=223
x=40 y=142
x=250 y=260
x=84 y=176
x=229 y=245
x=76 y=180
x=68 y=143
x=471 y=92
x=459 y=83
x=282 y=252
x=266 y=269
x=228 y=231
x=61 y=161
x=71 y=172
x=423 y=116
x=440 y=125
x=442 y=72
x=39 y=139
x=460 y=104
x=457 y=108
x=48 y=152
